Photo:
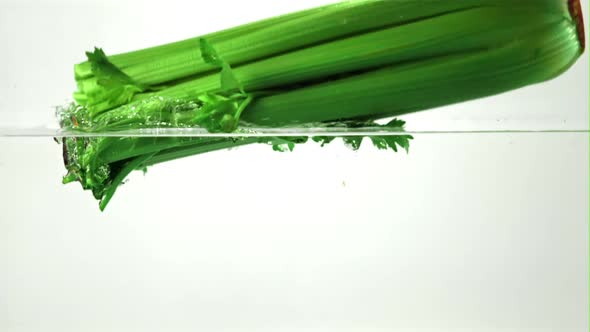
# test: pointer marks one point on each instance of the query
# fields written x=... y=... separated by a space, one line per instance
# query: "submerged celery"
x=101 y=164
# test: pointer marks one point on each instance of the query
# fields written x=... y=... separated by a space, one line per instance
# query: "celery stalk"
x=348 y=64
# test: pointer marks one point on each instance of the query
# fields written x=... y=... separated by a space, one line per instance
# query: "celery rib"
x=346 y=63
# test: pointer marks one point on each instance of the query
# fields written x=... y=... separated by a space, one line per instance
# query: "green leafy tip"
x=109 y=86
x=229 y=81
x=221 y=111
x=393 y=141
x=394 y=138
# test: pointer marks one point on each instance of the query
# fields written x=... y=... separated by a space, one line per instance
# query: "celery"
x=349 y=63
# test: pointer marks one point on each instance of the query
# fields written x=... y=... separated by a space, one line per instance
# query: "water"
x=483 y=226
x=484 y=231
x=312 y=131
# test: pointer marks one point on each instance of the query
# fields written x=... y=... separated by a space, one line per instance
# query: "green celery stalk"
x=350 y=64
x=515 y=33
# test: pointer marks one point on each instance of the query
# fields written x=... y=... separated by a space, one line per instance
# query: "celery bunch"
x=348 y=63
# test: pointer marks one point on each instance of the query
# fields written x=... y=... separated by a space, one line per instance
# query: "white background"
x=468 y=232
